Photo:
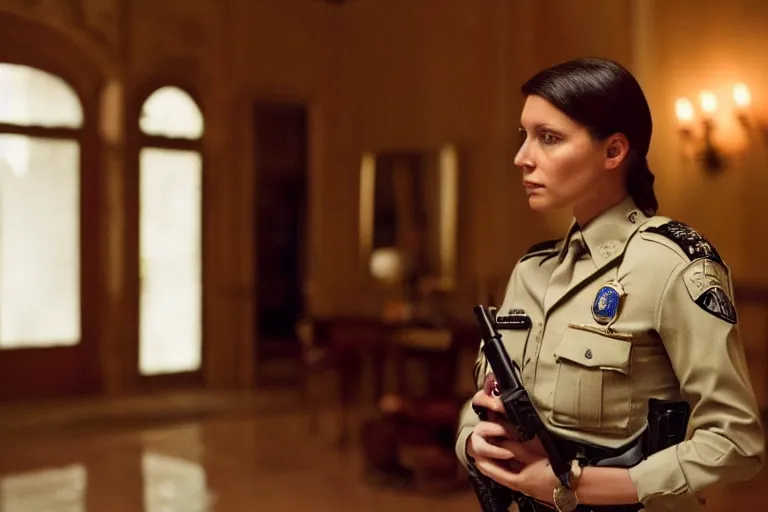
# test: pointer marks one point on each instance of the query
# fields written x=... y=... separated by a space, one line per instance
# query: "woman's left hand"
x=536 y=479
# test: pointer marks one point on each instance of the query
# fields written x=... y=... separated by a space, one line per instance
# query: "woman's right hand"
x=495 y=438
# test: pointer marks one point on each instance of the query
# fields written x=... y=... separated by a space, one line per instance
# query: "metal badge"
x=608 y=301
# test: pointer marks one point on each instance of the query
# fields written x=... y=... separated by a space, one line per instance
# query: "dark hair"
x=604 y=97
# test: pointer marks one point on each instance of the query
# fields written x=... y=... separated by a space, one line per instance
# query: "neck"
x=585 y=212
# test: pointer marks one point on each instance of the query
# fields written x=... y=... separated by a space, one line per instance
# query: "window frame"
x=76 y=135
x=138 y=140
x=81 y=369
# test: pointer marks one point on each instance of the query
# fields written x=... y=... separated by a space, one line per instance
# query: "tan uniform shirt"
x=673 y=338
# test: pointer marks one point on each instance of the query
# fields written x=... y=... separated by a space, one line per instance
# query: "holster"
x=667 y=423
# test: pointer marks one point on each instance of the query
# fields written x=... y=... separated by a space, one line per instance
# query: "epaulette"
x=693 y=244
x=548 y=246
x=543 y=246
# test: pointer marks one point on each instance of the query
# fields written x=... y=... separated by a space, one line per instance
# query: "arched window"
x=170 y=251
x=40 y=300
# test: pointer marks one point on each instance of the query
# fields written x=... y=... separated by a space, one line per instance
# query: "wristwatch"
x=565 y=495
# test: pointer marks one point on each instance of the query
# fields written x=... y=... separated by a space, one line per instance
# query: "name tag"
x=515 y=319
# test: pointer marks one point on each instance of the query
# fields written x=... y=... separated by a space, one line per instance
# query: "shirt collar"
x=606 y=235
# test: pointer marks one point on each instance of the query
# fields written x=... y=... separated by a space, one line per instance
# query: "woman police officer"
x=627 y=307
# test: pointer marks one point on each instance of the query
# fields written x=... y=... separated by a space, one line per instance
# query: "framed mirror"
x=408 y=217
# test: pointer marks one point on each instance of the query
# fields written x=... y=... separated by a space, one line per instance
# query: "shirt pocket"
x=592 y=391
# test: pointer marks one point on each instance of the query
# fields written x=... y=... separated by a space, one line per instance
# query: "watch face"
x=565 y=499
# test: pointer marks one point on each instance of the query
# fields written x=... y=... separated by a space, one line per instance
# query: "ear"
x=616 y=150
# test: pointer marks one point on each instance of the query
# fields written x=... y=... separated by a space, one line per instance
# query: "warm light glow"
x=170 y=235
x=173 y=483
x=367 y=194
x=741 y=95
x=39 y=242
x=39 y=213
x=386 y=264
x=171 y=112
x=56 y=488
x=449 y=184
x=170 y=322
x=684 y=110
x=708 y=102
x=31 y=96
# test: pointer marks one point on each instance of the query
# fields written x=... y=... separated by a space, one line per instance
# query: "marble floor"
x=255 y=458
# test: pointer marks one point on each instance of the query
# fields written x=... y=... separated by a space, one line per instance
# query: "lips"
x=531 y=185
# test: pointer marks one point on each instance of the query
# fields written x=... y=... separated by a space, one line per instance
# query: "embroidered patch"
x=608 y=249
x=607 y=304
x=709 y=287
x=690 y=241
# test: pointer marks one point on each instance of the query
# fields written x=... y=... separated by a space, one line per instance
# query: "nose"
x=523 y=158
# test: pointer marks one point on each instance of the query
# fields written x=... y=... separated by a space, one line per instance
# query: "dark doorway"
x=280 y=150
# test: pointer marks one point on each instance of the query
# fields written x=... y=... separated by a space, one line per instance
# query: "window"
x=32 y=97
x=170 y=112
x=40 y=117
x=170 y=196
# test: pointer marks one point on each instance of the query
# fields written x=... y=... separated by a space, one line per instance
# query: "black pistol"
x=521 y=413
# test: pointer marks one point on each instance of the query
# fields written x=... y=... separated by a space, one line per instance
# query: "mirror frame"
x=448 y=171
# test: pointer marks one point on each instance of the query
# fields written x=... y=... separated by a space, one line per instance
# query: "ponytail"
x=640 y=186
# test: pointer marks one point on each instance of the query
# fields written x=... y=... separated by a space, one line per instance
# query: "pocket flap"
x=594 y=350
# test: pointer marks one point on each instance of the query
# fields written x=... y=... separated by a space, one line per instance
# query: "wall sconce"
x=701 y=140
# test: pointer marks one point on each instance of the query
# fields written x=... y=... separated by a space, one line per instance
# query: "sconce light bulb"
x=708 y=102
x=684 y=110
x=741 y=95
x=386 y=264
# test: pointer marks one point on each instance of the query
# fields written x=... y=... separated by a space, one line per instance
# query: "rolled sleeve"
x=661 y=483
x=726 y=440
x=468 y=417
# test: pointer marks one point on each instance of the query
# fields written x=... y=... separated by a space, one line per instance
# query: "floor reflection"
x=222 y=464
x=171 y=483
x=55 y=489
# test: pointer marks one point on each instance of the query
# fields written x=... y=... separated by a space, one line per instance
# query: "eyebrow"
x=540 y=126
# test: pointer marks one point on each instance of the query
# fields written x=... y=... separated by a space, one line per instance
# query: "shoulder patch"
x=690 y=241
x=709 y=286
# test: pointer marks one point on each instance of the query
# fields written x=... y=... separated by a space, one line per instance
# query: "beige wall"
x=420 y=74
x=399 y=73
x=711 y=45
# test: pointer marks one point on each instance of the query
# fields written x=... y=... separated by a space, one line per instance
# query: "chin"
x=540 y=203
